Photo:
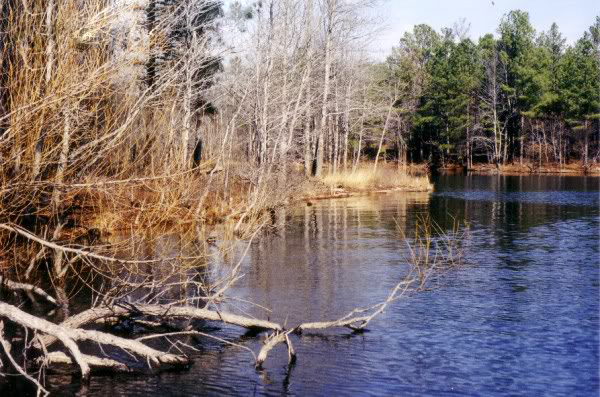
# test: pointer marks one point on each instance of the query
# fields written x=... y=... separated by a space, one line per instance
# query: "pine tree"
x=579 y=88
x=516 y=47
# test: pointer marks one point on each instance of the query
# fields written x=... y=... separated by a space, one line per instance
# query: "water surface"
x=519 y=318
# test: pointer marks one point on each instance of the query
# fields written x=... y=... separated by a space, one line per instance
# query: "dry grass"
x=366 y=178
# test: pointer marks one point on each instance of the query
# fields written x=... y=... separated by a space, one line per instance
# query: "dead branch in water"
x=68 y=336
x=429 y=256
x=93 y=315
x=58 y=358
x=14 y=286
x=80 y=252
x=6 y=347
x=273 y=340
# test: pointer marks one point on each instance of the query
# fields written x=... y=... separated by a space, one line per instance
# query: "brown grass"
x=366 y=178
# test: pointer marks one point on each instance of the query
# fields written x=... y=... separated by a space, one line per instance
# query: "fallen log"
x=96 y=364
x=91 y=316
x=27 y=320
x=67 y=336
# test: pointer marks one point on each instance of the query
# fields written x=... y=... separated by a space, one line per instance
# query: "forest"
x=122 y=121
x=512 y=97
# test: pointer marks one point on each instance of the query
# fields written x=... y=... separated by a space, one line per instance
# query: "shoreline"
x=527 y=168
x=350 y=184
x=571 y=169
x=343 y=193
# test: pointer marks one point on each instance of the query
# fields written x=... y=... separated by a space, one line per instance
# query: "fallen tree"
x=58 y=345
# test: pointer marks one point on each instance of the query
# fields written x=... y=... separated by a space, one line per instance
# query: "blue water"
x=519 y=318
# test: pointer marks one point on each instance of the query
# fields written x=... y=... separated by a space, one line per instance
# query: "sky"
x=398 y=16
x=395 y=17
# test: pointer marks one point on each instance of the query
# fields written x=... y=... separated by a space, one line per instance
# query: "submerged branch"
x=6 y=347
x=14 y=286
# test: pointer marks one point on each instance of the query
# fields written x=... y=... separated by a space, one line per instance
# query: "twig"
x=6 y=346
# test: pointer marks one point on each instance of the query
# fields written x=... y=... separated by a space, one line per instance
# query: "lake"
x=520 y=317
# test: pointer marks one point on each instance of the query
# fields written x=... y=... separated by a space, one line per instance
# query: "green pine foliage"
x=518 y=90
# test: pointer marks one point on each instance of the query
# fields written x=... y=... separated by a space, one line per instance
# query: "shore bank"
x=529 y=168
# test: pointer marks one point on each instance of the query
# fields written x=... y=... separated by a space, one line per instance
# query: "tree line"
x=519 y=96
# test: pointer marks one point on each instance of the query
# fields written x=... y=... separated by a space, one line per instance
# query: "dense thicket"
x=518 y=96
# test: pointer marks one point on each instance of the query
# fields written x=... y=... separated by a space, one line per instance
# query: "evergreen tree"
x=520 y=87
x=552 y=45
x=409 y=64
x=465 y=78
x=509 y=98
x=579 y=87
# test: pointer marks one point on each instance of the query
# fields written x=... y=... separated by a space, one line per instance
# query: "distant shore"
x=525 y=168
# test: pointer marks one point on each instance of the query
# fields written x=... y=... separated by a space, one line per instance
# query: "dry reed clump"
x=162 y=203
x=366 y=178
x=432 y=249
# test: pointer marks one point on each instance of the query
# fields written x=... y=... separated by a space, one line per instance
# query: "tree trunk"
x=187 y=116
x=307 y=144
x=359 y=148
x=336 y=144
x=469 y=160
x=522 y=139
x=385 y=127
x=308 y=161
x=585 y=145
x=346 y=119
x=545 y=141
x=497 y=139
x=331 y=9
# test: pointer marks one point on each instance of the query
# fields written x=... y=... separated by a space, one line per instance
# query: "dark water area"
x=520 y=318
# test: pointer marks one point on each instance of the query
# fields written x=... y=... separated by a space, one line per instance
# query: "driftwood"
x=95 y=363
x=163 y=311
x=273 y=340
x=67 y=336
x=70 y=330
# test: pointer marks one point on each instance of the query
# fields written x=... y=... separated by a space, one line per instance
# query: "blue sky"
x=394 y=17
x=398 y=16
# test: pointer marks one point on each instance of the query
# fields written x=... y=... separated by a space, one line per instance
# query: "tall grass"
x=381 y=178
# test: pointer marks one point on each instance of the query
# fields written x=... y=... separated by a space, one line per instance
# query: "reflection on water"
x=521 y=318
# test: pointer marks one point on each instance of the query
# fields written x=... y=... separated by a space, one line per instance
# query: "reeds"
x=381 y=178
